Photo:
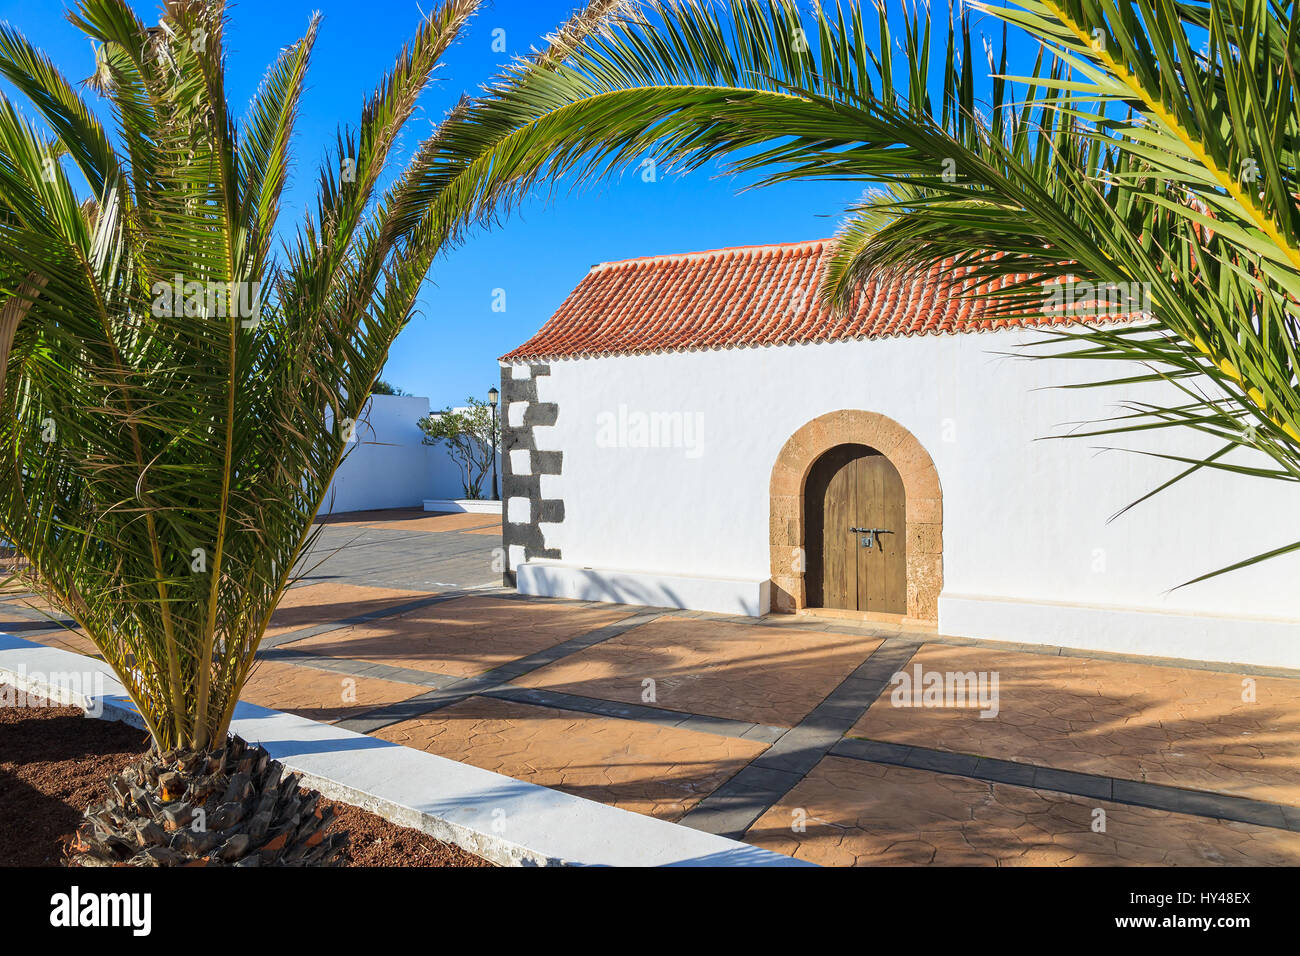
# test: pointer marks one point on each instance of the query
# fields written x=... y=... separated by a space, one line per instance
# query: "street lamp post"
x=493 y=395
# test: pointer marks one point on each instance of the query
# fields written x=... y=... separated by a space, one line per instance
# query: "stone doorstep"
x=501 y=819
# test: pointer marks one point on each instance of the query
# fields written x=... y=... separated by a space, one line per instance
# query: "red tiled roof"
x=745 y=296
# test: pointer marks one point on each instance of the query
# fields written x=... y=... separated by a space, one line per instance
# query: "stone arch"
x=924 y=500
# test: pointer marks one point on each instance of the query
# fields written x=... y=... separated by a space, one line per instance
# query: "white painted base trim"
x=1261 y=642
x=653 y=589
x=472 y=505
x=507 y=821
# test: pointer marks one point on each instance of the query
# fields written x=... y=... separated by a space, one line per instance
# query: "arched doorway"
x=798 y=474
x=856 y=532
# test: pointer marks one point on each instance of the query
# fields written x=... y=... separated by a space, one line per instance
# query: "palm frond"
x=1122 y=157
x=175 y=392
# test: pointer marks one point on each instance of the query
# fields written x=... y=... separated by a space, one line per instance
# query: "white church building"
x=698 y=431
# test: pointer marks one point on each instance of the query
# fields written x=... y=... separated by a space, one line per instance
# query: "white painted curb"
x=471 y=505
x=507 y=821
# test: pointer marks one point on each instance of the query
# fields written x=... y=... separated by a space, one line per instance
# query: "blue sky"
x=450 y=349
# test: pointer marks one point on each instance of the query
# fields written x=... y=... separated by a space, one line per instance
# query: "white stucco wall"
x=387 y=466
x=1025 y=521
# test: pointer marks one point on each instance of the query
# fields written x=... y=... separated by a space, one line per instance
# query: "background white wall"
x=389 y=466
x=1025 y=519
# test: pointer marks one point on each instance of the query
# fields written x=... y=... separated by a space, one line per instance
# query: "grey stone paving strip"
x=733 y=807
x=427 y=703
x=429 y=577
x=549 y=655
x=34 y=620
x=357 y=668
x=357 y=549
x=328 y=542
x=1199 y=803
x=376 y=558
x=377 y=561
x=485 y=681
x=450 y=689
x=494 y=683
x=719 y=726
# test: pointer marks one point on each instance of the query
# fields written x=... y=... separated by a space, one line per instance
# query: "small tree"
x=468 y=433
x=382 y=387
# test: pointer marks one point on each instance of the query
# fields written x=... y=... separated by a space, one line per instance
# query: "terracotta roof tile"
x=747 y=296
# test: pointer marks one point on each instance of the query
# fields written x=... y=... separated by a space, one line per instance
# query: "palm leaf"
x=194 y=436
x=1118 y=157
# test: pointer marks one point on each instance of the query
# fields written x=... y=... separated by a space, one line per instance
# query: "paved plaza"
x=788 y=731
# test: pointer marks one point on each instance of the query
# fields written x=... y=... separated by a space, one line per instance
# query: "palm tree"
x=177 y=389
x=1150 y=146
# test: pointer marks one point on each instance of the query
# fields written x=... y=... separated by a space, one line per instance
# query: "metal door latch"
x=869 y=536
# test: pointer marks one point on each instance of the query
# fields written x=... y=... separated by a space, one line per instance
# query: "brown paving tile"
x=1166 y=725
x=442 y=522
x=369 y=519
x=741 y=671
x=491 y=529
x=321 y=695
x=411 y=519
x=866 y=814
x=462 y=637
x=660 y=771
x=330 y=601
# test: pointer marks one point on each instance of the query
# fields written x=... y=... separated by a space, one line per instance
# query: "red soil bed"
x=54 y=763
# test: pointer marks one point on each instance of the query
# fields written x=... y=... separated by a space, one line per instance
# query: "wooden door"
x=854 y=487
